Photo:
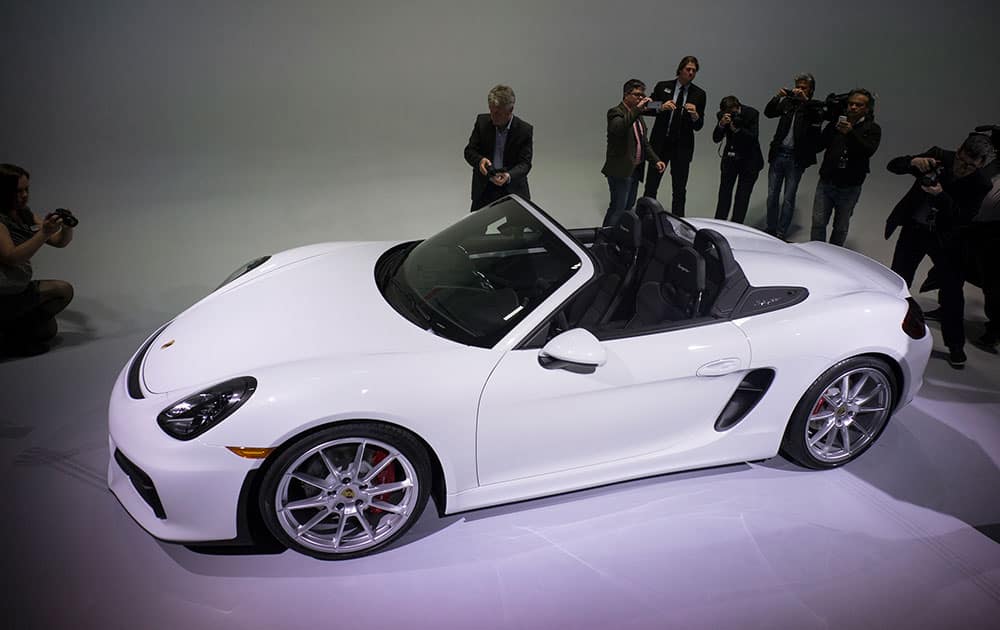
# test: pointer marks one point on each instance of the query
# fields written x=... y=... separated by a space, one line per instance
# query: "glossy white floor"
x=907 y=534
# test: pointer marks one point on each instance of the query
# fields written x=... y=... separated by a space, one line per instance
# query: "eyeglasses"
x=638 y=94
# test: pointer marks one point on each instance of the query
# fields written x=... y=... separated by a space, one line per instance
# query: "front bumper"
x=197 y=485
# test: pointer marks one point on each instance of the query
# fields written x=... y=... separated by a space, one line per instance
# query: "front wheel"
x=346 y=491
x=841 y=414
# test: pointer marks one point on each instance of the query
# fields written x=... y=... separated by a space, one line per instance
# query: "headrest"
x=687 y=271
x=627 y=232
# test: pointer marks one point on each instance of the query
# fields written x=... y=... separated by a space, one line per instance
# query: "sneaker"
x=987 y=343
x=956 y=358
x=933 y=315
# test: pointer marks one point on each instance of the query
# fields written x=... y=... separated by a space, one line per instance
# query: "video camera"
x=931 y=177
x=994 y=133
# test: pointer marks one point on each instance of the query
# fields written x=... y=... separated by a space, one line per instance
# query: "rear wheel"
x=841 y=414
x=346 y=491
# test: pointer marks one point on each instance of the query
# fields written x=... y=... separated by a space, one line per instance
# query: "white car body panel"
x=502 y=426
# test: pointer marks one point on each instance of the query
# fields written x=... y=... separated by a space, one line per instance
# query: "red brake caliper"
x=386 y=476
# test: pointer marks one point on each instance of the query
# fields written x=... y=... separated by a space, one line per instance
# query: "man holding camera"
x=850 y=141
x=984 y=244
x=793 y=148
x=679 y=107
x=627 y=149
x=948 y=191
x=499 y=151
x=742 y=160
x=27 y=306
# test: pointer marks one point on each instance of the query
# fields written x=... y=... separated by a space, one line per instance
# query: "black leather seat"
x=616 y=249
x=676 y=296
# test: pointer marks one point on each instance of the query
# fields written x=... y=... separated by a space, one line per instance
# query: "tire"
x=828 y=429
x=346 y=491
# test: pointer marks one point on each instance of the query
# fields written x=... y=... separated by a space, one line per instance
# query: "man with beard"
x=946 y=195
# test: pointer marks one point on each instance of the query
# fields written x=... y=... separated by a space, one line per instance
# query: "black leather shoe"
x=956 y=358
x=987 y=343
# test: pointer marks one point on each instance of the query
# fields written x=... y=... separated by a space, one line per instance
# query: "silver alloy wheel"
x=848 y=415
x=346 y=495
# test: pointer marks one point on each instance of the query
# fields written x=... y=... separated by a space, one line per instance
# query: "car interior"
x=652 y=275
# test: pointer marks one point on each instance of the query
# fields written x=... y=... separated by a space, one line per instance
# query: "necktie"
x=681 y=98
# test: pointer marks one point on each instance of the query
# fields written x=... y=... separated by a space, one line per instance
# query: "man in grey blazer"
x=627 y=149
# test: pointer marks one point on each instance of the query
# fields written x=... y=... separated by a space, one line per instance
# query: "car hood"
x=314 y=302
x=826 y=270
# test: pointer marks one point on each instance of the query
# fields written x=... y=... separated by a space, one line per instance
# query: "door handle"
x=720 y=367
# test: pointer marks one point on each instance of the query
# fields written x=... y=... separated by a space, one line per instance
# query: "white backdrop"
x=191 y=136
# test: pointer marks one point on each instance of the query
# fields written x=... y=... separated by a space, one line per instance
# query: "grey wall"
x=190 y=136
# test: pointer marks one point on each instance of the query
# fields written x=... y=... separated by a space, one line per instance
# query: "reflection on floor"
x=905 y=534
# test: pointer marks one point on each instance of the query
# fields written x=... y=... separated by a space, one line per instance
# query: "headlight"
x=188 y=418
x=242 y=269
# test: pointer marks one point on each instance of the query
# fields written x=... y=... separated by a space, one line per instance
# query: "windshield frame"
x=400 y=293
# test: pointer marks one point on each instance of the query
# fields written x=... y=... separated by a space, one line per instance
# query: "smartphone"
x=841 y=120
x=654 y=105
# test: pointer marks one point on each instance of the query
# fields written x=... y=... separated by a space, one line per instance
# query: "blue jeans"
x=783 y=170
x=623 y=192
x=838 y=201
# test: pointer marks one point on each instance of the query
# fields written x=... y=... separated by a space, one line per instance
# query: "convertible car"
x=321 y=395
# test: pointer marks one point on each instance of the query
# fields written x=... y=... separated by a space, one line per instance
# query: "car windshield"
x=474 y=281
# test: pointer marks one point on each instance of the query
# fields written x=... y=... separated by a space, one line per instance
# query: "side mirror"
x=576 y=350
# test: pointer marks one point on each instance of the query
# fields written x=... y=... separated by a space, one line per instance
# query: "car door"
x=657 y=395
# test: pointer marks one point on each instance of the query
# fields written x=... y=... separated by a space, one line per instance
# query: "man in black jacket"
x=850 y=141
x=499 y=151
x=948 y=192
x=627 y=150
x=793 y=148
x=680 y=113
x=742 y=160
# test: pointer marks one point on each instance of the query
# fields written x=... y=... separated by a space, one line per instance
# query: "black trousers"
x=945 y=251
x=679 y=170
x=735 y=173
x=984 y=243
x=491 y=193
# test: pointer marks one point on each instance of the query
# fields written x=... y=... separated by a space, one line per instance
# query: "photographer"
x=499 y=151
x=742 y=160
x=850 y=141
x=793 y=148
x=984 y=245
x=28 y=307
x=948 y=191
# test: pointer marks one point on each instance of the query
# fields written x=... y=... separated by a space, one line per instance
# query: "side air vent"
x=766 y=299
x=747 y=395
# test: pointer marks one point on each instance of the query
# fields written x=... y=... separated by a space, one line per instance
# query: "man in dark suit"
x=627 y=149
x=499 y=151
x=742 y=160
x=933 y=214
x=680 y=112
x=793 y=148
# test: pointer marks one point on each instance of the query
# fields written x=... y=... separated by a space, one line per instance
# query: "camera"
x=834 y=106
x=931 y=177
x=492 y=171
x=67 y=217
x=735 y=116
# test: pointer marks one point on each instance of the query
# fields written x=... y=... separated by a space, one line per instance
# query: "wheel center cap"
x=347 y=493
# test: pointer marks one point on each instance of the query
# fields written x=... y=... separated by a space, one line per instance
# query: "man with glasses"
x=948 y=191
x=499 y=151
x=679 y=107
x=627 y=150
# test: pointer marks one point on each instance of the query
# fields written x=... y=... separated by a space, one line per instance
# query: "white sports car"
x=322 y=394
